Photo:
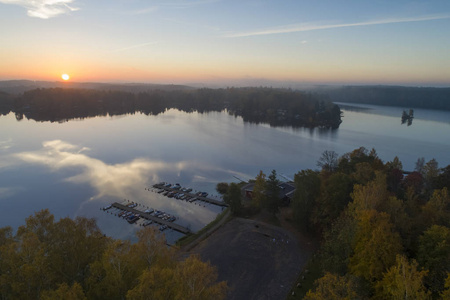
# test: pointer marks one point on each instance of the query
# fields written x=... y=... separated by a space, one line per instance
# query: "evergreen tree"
x=273 y=193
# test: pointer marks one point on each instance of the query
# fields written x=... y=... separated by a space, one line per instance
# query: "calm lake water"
x=76 y=167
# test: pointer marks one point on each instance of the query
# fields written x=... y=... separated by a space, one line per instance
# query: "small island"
x=408 y=117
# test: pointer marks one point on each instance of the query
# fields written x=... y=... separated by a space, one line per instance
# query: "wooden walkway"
x=205 y=199
x=144 y=215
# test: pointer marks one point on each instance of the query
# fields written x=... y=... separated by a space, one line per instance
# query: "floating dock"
x=204 y=199
x=147 y=216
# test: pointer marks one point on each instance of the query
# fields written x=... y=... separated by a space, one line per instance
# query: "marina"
x=177 y=192
x=132 y=214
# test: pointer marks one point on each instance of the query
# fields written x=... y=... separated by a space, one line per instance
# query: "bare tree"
x=328 y=161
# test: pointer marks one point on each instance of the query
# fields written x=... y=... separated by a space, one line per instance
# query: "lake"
x=77 y=167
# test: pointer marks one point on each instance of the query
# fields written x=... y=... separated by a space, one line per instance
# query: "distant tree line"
x=277 y=107
x=385 y=233
x=417 y=97
x=71 y=259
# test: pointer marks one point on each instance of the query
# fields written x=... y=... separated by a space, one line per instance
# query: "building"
x=287 y=190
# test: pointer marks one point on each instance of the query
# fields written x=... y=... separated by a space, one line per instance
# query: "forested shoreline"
x=277 y=107
x=409 y=97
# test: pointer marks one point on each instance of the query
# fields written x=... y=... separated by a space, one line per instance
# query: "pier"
x=204 y=199
x=147 y=216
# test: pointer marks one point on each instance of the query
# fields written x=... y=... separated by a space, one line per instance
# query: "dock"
x=204 y=199
x=147 y=216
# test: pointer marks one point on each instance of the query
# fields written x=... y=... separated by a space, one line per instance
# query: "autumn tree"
x=189 y=279
x=445 y=295
x=333 y=287
x=402 y=281
x=373 y=195
x=156 y=283
x=375 y=245
x=437 y=209
x=66 y=292
x=25 y=268
x=74 y=244
x=115 y=273
x=197 y=280
x=348 y=161
x=414 y=180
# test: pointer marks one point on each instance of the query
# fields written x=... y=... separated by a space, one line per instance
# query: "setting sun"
x=65 y=77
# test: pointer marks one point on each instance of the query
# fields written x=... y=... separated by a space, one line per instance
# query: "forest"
x=277 y=107
x=416 y=97
x=72 y=259
x=385 y=234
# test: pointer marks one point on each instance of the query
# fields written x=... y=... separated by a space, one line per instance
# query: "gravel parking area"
x=259 y=261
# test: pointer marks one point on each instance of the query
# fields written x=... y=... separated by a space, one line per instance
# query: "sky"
x=227 y=41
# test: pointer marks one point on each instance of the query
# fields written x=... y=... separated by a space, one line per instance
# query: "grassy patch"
x=306 y=279
x=189 y=238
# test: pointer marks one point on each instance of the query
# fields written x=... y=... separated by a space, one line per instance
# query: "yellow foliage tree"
x=373 y=195
x=376 y=245
x=437 y=209
x=66 y=292
x=333 y=287
x=191 y=279
x=445 y=295
x=402 y=281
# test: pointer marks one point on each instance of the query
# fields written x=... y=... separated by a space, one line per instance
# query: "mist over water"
x=77 y=167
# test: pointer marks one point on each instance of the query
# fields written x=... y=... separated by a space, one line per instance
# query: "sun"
x=65 y=77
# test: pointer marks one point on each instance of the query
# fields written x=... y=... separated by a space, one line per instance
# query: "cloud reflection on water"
x=109 y=180
x=123 y=180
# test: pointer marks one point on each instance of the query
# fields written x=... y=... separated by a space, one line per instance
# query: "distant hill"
x=21 y=86
x=409 y=97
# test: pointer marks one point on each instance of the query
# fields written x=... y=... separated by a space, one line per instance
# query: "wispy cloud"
x=309 y=27
x=134 y=46
x=143 y=11
x=187 y=4
x=44 y=9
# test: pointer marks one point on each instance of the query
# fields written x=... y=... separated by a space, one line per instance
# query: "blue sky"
x=336 y=42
